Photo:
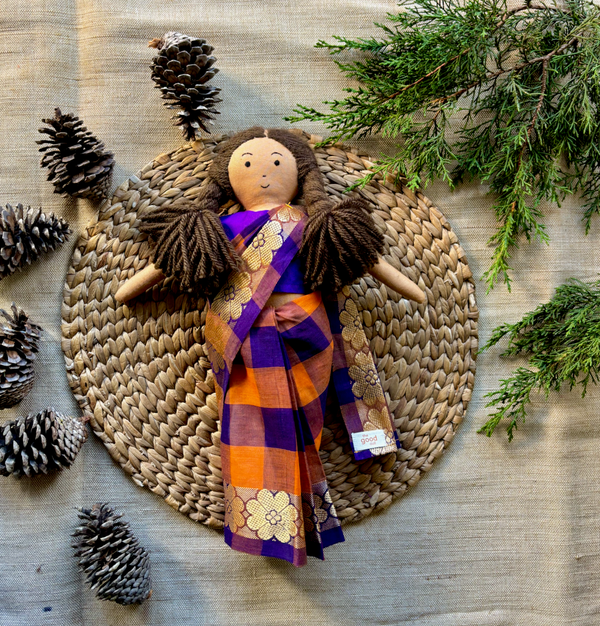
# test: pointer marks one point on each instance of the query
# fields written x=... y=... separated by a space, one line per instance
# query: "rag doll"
x=280 y=332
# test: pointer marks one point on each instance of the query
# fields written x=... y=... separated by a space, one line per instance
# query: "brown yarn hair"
x=339 y=244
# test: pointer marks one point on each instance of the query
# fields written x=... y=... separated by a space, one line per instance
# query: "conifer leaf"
x=561 y=340
x=473 y=89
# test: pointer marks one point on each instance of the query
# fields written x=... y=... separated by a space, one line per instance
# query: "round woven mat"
x=141 y=375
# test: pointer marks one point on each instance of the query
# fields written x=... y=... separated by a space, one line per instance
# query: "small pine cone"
x=78 y=163
x=40 y=443
x=180 y=70
x=19 y=341
x=25 y=234
x=114 y=562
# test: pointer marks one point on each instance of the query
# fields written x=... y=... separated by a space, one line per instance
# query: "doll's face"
x=263 y=174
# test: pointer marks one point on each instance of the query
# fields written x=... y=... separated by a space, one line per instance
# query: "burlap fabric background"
x=496 y=534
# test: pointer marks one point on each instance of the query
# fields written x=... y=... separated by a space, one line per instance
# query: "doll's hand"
x=395 y=280
x=140 y=282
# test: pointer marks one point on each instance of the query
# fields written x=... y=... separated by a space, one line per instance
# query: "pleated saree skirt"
x=276 y=494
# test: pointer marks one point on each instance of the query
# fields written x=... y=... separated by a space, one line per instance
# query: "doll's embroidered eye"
x=247 y=163
x=277 y=162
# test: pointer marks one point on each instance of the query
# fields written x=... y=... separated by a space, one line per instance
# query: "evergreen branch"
x=591 y=193
x=561 y=339
x=536 y=113
x=429 y=75
x=531 y=73
x=517 y=68
x=512 y=399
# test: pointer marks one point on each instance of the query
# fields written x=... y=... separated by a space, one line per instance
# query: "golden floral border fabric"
x=277 y=515
x=366 y=385
x=233 y=297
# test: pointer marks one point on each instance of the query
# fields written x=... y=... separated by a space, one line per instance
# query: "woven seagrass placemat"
x=141 y=375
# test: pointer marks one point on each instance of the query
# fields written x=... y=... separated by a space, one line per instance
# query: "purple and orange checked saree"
x=273 y=368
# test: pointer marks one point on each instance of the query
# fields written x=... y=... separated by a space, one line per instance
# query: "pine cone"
x=25 y=234
x=40 y=443
x=78 y=163
x=180 y=70
x=114 y=562
x=19 y=341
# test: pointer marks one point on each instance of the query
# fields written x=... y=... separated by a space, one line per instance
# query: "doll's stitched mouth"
x=265 y=186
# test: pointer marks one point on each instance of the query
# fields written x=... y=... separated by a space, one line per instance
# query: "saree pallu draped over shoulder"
x=273 y=368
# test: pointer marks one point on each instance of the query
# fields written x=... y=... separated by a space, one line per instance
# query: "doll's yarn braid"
x=339 y=245
x=191 y=244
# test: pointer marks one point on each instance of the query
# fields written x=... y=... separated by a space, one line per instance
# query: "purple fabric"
x=292 y=280
x=272 y=400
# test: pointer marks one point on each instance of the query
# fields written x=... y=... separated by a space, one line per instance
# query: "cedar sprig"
x=475 y=90
x=562 y=341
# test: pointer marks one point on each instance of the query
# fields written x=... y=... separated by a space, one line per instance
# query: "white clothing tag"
x=368 y=439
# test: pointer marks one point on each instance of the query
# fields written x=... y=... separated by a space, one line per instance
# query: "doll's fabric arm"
x=394 y=279
x=141 y=281
x=342 y=243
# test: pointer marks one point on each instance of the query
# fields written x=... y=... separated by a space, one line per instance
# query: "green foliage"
x=562 y=340
x=520 y=87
